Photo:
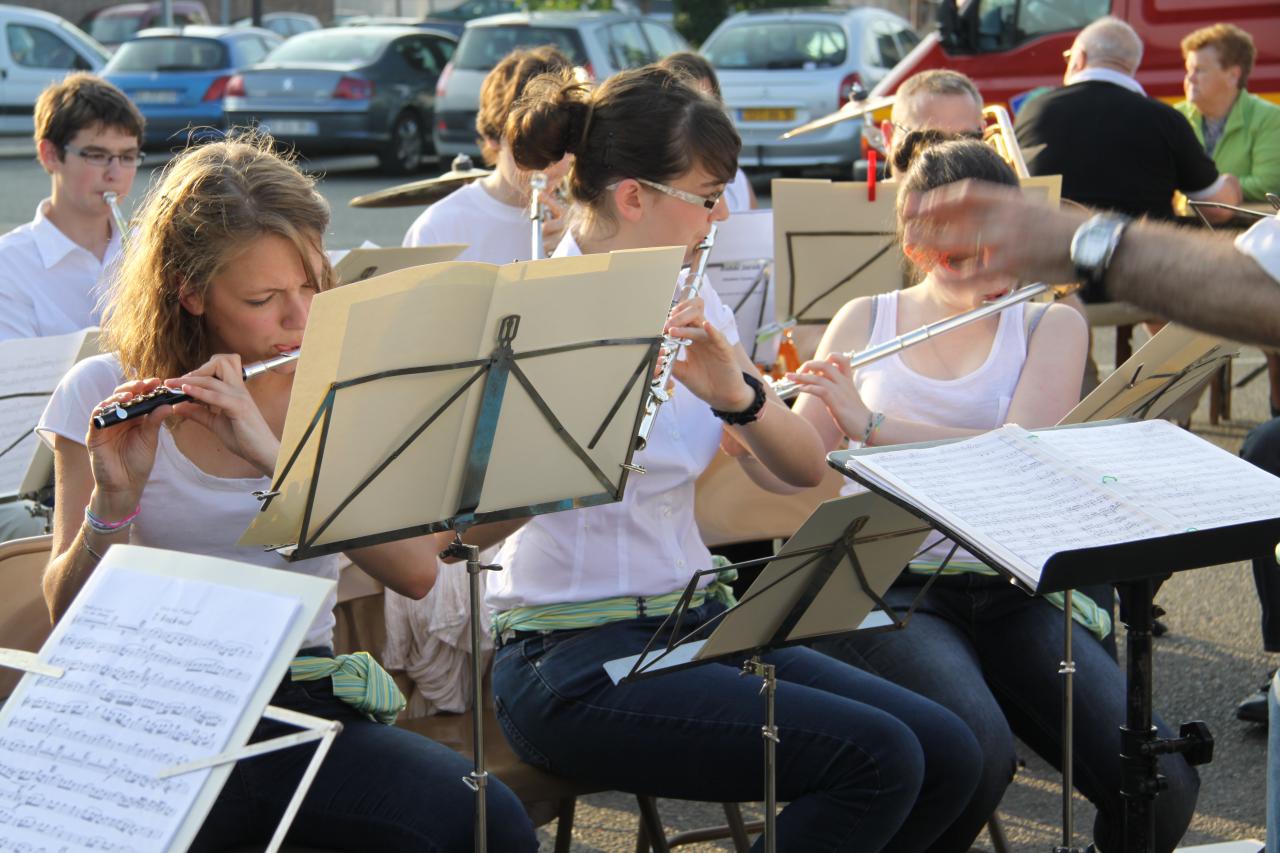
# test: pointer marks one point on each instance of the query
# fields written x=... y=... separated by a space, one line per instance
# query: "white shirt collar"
x=53 y=245
x=1106 y=75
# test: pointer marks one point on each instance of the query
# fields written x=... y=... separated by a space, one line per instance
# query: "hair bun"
x=915 y=142
x=548 y=121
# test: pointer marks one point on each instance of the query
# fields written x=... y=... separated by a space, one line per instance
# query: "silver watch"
x=1093 y=245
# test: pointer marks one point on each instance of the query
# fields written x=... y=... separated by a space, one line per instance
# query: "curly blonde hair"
x=210 y=204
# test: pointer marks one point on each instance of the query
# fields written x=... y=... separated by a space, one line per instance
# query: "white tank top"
x=978 y=400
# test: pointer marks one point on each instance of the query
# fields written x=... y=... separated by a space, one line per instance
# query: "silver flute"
x=672 y=346
x=787 y=389
x=537 y=213
x=122 y=224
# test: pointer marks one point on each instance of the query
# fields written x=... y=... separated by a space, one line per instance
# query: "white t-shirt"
x=183 y=508
x=49 y=284
x=1262 y=243
x=494 y=232
x=737 y=195
x=647 y=543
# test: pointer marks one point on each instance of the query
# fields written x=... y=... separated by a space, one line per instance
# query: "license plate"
x=769 y=114
x=290 y=127
x=155 y=96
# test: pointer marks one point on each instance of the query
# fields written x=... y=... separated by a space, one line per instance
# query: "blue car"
x=178 y=77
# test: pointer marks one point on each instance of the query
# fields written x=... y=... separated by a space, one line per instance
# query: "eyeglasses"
x=707 y=201
x=102 y=159
x=959 y=134
x=1066 y=55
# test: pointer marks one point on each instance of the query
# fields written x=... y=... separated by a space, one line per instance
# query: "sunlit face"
x=946 y=113
x=669 y=221
x=258 y=305
x=79 y=184
x=1207 y=84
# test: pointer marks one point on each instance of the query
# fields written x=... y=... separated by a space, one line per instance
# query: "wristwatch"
x=752 y=412
x=1093 y=245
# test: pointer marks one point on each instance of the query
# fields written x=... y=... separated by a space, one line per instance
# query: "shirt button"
x=680 y=564
x=666 y=510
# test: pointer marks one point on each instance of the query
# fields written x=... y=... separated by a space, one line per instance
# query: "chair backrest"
x=24 y=618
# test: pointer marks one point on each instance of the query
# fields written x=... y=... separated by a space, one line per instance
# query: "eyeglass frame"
x=977 y=135
x=89 y=156
x=707 y=201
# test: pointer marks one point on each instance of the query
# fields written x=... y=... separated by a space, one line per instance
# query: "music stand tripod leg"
x=769 y=732
x=1067 y=670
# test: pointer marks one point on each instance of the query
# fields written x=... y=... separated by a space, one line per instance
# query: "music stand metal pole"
x=1067 y=670
x=769 y=732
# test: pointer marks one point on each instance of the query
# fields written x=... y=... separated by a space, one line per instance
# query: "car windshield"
x=778 y=44
x=330 y=46
x=483 y=47
x=113 y=29
x=169 y=54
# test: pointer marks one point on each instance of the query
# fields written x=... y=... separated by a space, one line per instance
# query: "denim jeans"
x=864 y=765
x=379 y=788
x=991 y=654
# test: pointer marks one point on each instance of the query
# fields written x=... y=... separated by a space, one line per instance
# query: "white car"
x=780 y=69
x=38 y=48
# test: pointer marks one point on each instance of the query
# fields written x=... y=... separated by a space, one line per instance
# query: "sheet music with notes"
x=740 y=271
x=1023 y=496
x=30 y=368
x=161 y=668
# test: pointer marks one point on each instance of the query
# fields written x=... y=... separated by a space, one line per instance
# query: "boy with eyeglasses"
x=88 y=138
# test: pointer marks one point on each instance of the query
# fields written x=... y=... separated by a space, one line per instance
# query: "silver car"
x=602 y=43
x=781 y=69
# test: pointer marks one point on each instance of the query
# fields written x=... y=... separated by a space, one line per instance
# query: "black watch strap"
x=751 y=413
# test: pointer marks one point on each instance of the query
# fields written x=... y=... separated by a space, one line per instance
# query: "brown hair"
x=1234 y=45
x=82 y=100
x=506 y=83
x=945 y=162
x=209 y=205
x=696 y=68
x=642 y=123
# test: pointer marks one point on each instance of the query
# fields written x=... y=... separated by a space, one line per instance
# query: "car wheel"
x=405 y=150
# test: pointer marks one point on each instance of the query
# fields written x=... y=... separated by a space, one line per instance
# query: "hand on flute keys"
x=121 y=458
x=831 y=381
x=710 y=368
x=225 y=408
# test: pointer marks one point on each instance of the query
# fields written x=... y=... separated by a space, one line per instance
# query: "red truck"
x=1012 y=47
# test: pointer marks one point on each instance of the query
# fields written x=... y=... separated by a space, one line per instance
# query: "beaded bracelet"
x=873 y=423
x=106 y=528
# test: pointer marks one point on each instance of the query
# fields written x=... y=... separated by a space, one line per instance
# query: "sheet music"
x=159 y=671
x=741 y=271
x=29 y=366
x=1161 y=466
x=1021 y=504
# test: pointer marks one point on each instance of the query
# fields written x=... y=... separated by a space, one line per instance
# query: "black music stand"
x=1136 y=568
x=829 y=578
x=495 y=373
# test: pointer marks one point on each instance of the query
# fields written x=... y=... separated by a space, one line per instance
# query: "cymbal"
x=425 y=191
x=853 y=109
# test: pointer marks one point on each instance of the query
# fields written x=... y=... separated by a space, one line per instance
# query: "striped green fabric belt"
x=1084 y=610
x=358 y=680
x=589 y=614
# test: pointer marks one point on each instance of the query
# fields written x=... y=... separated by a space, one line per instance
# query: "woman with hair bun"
x=863 y=764
x=975 y=644
x=491 y=215
x=221 y=271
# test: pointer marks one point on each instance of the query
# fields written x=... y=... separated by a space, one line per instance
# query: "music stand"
x=487 y=412
x=827 y=579
x=1135 y=567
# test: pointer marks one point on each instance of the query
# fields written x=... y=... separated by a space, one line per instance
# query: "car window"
x=418 y=53
x=664 y=41
x=113 y=29
x=1005 y=23
x=444 y=49
x=36 y=47
x=169 y=54
x=251 y=50
x=627 y=46
x=79 y=37
x=778 y=44
x=908 y=39
x=332 y=46
x=482 y=48
x=882 y=32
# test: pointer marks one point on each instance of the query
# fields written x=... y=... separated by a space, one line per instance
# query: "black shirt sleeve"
x=1195 y=170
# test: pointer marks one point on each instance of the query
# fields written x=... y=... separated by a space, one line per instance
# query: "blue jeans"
x=379 y=788
x=864 y=765
x=991 y=654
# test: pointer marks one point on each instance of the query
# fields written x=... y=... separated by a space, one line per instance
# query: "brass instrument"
x=426 y=191
x=787 y=389
x=1001 y=136
x=671 y=346
x=122 y=224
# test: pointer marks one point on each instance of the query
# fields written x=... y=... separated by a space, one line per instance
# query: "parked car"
x=38 y=48
x=285 y=24
x=348 y=89
x=602 y=43
x=178 y=77
x=115 y=25
x=779 y=69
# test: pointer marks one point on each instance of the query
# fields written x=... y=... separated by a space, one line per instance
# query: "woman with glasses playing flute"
x=492 y=215
x=221 y=272
x=976 y=645
x=864 y=765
